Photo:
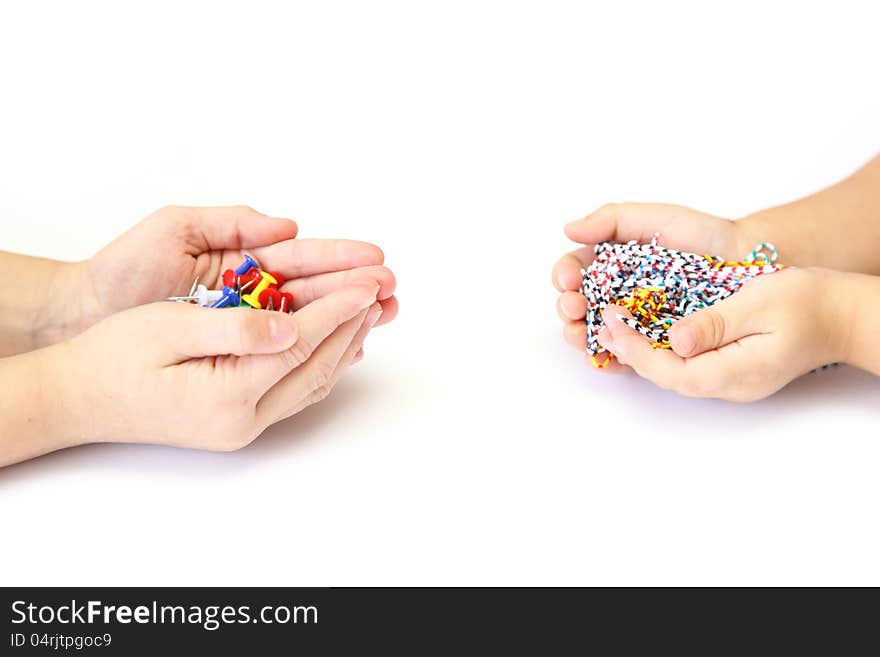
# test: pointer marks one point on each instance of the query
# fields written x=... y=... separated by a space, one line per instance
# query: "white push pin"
x=202 y=296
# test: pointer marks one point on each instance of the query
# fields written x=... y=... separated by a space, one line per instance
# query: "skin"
x=777 y=327
x=161 y=256
x=134 y=371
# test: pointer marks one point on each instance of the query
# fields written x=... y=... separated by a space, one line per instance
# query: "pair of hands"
x=746 y=347
x=198 y=377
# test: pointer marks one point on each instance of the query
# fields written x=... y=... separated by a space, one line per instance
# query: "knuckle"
x=310 y=288
x=319 y=394
x=250 y=332
x=321 y=383
x=289 y=359
x=300 y=352
x=717 y=326
x=322 y=377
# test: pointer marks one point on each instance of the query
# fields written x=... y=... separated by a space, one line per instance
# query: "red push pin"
x=270 y=299
x=252 y=275
x=278 y=277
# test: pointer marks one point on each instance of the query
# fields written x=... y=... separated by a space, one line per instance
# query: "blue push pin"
x=229 y=298
x=248 y=264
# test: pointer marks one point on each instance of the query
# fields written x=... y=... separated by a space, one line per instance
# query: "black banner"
x=120 y=621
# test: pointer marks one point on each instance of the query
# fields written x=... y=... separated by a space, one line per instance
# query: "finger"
x=733 y=318
x=234 y=227
x=717 y=373
x=313 y=380
x=575 y=334
x=307 y=289
x=611 y=363
x=353 y=353
x=621 y=222
x=390 y=309
x=314 y=324
x=357 y=344
x=567 y=270
x=605 y=340
x=296 y=258
x=189 y=331
x=571 y=306
x=661 y=366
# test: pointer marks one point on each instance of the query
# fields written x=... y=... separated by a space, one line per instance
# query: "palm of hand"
x=123 y=280
x=162 y=255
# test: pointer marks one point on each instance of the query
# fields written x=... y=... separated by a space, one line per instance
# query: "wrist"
x=66 y=391
x=40 y=411
x=853 y=302
x=743 y=237
x=65 y=310
x=829 y=294
x=770 y=225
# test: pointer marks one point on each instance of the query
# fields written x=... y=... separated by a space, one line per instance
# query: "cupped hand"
x=162 y=255
x=182 y=375
x=679 y=227
x=776 y=328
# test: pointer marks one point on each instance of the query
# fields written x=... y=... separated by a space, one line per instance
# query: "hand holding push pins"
x=263 y=286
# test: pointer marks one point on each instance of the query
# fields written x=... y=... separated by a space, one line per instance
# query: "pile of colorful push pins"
x=660 y=286
x=248 y=286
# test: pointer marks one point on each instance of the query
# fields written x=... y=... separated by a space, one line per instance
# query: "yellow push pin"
x=253 y=298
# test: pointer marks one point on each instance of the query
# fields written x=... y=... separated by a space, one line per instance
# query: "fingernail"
x=373 y=317
x=685 y=341
x=611 y=317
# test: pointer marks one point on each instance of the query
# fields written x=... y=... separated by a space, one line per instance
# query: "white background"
x=471 y=446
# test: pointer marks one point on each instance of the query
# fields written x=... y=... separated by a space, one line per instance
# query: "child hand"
x=679 y=227
x=187 y=376
x=778 y=327
x=162 y=255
